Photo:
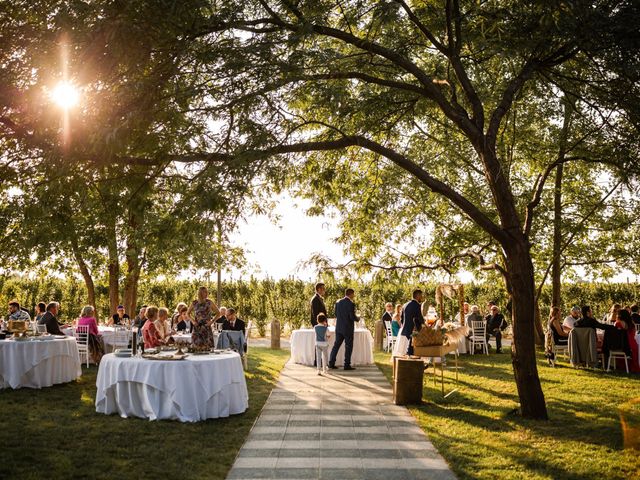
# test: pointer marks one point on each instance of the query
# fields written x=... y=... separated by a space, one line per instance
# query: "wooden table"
x=439 y=351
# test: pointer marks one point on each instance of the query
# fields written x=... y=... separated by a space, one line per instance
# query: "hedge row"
x=288 y=300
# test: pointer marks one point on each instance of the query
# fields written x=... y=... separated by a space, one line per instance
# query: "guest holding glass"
x=120 y=317
x=205 y=313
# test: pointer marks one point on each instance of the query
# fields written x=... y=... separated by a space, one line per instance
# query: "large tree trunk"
x=86 y=275
x=539 y=332
x=114 y=269
x=132 y=257
x=521 y=282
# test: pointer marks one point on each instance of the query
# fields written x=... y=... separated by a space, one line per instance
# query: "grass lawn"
x=479 y=436
x=56 y=433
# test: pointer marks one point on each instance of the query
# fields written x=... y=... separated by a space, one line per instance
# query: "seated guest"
x=635 y=315
x=16 y=313
x=223 y=315
x=396 y=321
x=560 y=336
x=162 y=324
x=50 y=319
x=141 y=318
x=474 y=316
x=612 y=315
x=150 y=333
x=625 y=323
x=587 y=320
x=96 y=344
x=41 y=308
x=234 y=323
x=496 y=323
x=183 y=322
x=176 y=314
x=120 y=317
x=570 y=320
x=463 y=314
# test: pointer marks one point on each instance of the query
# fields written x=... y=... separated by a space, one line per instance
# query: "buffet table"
x=38 y=363
x=303 y=349
x=196 y=388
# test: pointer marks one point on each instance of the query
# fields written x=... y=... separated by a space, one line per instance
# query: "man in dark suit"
x=317 y=303
x=50 y=319
x=412 y=317
x=234 y=323
x=388 y=313
x=345 y=320
x=496 y=323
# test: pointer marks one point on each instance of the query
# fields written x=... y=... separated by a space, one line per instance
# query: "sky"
x=276 y=250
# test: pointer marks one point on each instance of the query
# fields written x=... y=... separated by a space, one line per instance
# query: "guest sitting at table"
x=612 y=315
x=388 y=312
x=496 y=323
x=223 y=315
x=560 y=336
x=16 y=313
x=571 y=319
x=396 y=320
x=50 y=319
x=635 y=316
x=474 y=316
x=141 y=318
x=183 y=322
x=234 y=323
x=175 y=318
x=95 y=341
x=120 y=317
x=625 y=323
x=150 y=333
x=41 y=309
x=587 y=320
x=162 y=324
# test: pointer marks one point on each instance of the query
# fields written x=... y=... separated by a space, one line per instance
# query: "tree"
x=376 y=79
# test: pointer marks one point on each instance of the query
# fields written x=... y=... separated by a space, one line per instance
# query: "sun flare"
x=65 y=95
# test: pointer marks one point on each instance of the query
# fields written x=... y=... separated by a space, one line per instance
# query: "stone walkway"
x=341 y=426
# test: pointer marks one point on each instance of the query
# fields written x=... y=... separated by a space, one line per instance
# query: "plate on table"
x=60 y=337
x=165 y=357
x=123 y=352
x=45 y=338
x=220 y=352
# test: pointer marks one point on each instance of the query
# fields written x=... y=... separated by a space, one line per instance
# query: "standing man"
x=412 y=317
x=317 y=304
x=345 y=320
x=388 y=313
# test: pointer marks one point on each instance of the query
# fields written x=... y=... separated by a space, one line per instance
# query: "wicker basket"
x=428 y=337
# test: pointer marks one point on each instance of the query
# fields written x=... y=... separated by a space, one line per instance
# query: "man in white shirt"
x=571 y=319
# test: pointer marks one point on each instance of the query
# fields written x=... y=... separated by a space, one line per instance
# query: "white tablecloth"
x=303 y=348
x=190 y=390
x=37 y=364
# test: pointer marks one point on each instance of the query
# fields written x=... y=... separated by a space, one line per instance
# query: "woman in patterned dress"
x=205 y=314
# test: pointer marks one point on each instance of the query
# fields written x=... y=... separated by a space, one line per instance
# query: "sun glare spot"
x=65 y=95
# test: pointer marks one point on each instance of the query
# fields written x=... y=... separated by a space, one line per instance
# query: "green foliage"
x=287 y=300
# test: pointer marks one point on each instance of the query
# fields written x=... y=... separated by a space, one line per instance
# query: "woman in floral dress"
x=205 y=314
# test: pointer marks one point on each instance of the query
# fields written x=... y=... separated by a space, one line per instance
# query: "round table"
x=190 y=390
x=37 y=363
x=303 y=349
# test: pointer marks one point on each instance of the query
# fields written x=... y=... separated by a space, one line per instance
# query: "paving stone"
x=342 y=426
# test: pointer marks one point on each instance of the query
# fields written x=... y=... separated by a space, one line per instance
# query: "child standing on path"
x=322 y=345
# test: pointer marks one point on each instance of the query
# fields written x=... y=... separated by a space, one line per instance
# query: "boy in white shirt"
x=322 y=345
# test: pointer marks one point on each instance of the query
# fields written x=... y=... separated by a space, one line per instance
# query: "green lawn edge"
x=56 y=433
x=477 y=432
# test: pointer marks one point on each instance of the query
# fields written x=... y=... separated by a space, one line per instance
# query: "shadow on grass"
x=56 y=433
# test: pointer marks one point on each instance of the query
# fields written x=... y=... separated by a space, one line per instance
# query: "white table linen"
x=37 y=364
x=303 y=349
x=190 y=390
